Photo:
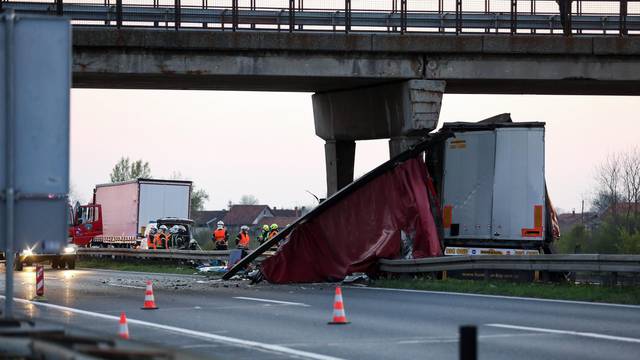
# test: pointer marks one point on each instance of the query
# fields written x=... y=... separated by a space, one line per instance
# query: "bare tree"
x=631 y=179
x=608 y=175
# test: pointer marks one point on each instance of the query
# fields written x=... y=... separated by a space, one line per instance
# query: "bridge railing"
x=617 y=17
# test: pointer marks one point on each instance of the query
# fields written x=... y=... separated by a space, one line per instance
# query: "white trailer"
x=493 y=189
x=128 y=207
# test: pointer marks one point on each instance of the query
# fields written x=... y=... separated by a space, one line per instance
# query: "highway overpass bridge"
x=375 y=74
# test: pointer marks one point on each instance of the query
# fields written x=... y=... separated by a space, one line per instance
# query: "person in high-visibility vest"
x=272 y=233
x=151 y=244
x=161 y=238
x=265 y=234
x=220 y=237
x=242 y=239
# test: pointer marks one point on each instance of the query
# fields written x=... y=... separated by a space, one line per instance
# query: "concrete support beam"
x=340 y=157
x=401 y=111
x=408 y=108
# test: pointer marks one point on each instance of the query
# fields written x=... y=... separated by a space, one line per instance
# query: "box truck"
x=121 y=212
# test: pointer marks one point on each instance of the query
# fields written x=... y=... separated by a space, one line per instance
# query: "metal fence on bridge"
x=608 y=17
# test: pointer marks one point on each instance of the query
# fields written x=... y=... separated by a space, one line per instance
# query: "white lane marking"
x=567 y=332
x=499 y=297
x=126 y=286
x=271 y=301
x=452 y=340
x=142 y=273
x=198 y=334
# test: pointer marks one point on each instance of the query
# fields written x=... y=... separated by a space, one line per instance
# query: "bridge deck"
x=276 y=18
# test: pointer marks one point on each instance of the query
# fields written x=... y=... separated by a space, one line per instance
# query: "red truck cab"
x=85 y=223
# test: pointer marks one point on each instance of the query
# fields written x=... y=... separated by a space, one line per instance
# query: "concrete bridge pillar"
x=339 y=156
x=402 y=111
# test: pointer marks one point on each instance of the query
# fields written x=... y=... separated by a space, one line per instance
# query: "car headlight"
x=70 y=249
x=27 y=252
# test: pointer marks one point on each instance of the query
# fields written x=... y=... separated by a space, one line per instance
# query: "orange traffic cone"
x=339 y=317
x=123 y=330
x=149 y=302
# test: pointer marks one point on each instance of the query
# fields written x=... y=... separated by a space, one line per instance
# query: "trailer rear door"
x=518 y=193
x=468 y=187
x=163 y=199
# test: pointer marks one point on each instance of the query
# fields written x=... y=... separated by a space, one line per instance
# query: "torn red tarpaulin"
x=363 y=227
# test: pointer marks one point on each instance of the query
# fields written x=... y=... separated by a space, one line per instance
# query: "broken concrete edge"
x=389 y=165
x=379 y=111
x=359 y=42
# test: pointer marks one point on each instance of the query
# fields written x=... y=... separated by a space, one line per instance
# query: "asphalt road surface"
x=222 y=320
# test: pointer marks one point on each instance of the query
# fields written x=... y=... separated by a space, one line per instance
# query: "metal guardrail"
x=400 y=16
x=156 y=254
x=554 y=262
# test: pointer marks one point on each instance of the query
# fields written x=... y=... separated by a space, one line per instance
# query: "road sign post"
x=35 y=81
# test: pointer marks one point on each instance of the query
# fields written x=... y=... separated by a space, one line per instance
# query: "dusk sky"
x=264 y=144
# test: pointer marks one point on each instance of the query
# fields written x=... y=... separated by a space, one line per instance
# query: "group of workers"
x=220 y=236
x=160 y=238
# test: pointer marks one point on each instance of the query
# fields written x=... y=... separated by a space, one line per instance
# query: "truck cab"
x=85 y=223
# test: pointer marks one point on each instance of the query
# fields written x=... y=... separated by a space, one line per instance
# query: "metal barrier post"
x=533 y=12
x=59 y=7
x=623 y=17
x=347 y=15
x=458 y=16
x=177 y=14
x=292 y=14
x=119 y=13
x=403 y=16
x=234 y=15
x=300 y=8
x=468 y=342
x=514 y=16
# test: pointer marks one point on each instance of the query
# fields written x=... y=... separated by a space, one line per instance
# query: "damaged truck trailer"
x=470 y=188
x=491 y=184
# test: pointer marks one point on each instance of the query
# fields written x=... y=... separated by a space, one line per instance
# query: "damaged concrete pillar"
x=401 y=143
x=340 y=157
x=403 y=111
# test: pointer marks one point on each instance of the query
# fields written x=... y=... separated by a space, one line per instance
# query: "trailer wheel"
x=55 y=264
x=71 y=264
x=18 y=266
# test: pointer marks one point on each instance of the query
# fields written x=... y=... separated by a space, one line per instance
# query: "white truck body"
x=493 y=185
x=128 y=207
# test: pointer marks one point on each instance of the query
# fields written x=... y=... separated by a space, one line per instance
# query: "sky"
x=264 y=143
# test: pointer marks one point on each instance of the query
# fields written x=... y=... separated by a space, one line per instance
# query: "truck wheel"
x=71 y=264
x=18 y=266
x=55 y=264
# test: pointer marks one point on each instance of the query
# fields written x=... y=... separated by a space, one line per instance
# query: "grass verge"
x=592 y=293
x=156 y=266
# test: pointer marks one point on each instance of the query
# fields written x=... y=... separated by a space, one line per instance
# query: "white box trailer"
x=493 y=188
x=128 y=207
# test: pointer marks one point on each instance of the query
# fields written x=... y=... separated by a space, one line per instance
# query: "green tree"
x=629 y=242
x=198 y=198
x=574 y=240
x=125 y=170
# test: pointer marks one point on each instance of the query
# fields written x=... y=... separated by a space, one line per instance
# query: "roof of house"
x=296 y=212
x=282 y=221
x=622 y=208
x=201 y=218
x=568 y=220
x=244 y=214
